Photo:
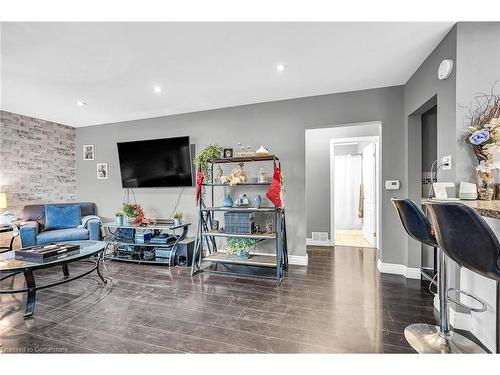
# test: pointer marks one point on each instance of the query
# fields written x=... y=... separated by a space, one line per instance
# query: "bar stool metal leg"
x=428 y=338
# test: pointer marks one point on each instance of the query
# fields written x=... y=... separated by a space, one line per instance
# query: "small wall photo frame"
x=88 y=152
x=102 y=171
x=227 y=153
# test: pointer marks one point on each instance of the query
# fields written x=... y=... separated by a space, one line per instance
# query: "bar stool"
x=428 y=338
x=467 y=239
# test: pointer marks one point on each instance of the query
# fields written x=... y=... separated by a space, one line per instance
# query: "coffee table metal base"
x=31 y=286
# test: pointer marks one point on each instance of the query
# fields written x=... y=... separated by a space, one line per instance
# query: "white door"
x=369 y=191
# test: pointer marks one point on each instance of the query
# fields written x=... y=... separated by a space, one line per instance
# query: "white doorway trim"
x=339 y=141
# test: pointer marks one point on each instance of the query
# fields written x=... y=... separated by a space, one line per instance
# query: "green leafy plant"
x=212 y=151
x=240 y=246
x=178 y=215
x=120 y=213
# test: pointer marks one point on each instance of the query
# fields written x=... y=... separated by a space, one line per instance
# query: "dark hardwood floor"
x=339 y=303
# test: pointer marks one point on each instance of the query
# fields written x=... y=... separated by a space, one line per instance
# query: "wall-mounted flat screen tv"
x=162 y=162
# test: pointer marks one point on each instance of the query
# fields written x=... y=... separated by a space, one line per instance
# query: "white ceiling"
x=113 y=67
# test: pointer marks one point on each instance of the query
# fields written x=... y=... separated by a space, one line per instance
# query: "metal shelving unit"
x=206 y=251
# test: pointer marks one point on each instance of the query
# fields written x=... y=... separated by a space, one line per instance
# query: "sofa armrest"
x=94 y=228
x=28 y=233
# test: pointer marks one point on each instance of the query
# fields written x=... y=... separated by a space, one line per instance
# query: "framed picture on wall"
x=88 y=152
x=102 y=171
x=227 y=153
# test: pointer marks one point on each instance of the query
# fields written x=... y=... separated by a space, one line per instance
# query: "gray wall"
x=37 y=161
x=429 y=139
x=478 y=69
x=281 y=125
x=318 y=171
x=422 y=91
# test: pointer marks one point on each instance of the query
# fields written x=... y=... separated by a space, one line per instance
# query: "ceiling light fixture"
x=81 y=103
x=157 y=89
x=280 y=67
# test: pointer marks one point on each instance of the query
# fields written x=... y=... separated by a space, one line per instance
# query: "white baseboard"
x=398 y=269
x=310 y=241
x=299 y=260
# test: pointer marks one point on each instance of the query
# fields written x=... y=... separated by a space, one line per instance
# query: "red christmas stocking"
x=199 y=180
x=274 y=192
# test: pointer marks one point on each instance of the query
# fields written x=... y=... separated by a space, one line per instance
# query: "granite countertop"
x=484 y=208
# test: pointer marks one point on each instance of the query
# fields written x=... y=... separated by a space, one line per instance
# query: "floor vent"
x=320 y=236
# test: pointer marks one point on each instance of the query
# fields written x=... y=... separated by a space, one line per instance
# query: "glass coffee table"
x=9 y=267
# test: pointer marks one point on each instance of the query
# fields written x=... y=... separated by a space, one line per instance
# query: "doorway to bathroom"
x=343 y=185
x=353 y=179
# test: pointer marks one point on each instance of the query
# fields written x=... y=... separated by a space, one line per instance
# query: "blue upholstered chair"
x=45 y=223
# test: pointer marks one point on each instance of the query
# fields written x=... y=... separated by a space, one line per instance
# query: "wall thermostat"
x=392 y=185
x=445 y=69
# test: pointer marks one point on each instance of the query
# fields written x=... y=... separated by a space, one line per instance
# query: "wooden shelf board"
x=244 y=159
x=254 y=260
x=257 y=236
x=240 y=184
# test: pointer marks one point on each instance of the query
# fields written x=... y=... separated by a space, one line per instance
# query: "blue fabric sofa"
x=34 y=230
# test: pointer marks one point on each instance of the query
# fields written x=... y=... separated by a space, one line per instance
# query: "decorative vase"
x=257 y=201
x=485 y=182
x=227 y=202
x=119 y=220
x=177 y=221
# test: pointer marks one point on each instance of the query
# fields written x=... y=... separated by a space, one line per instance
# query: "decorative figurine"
x=242 y=200
x=262 y=151
x=218 y=174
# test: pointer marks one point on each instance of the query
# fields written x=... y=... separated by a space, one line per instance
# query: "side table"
x=15 y=233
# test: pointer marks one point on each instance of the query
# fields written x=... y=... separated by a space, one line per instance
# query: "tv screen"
x=156 y=163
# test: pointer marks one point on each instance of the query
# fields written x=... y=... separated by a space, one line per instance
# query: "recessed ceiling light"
x=158 y=89
x=81 y=103
x=280 y=67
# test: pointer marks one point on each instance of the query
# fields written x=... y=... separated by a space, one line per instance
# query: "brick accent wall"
x=37 y=161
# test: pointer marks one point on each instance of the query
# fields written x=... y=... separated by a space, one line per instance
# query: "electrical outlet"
x=446 y=160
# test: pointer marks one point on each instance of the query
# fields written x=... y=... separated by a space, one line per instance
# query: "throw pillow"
x=62 y=216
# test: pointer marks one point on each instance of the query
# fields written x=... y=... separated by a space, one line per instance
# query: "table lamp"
x=3 y=200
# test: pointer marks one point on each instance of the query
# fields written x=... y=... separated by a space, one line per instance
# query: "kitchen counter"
x=484 y=208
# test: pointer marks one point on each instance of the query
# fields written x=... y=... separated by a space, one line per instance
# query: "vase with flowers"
x=484 y=136
x=134 y=213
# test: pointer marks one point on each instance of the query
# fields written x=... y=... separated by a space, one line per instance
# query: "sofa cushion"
x=61 y=235
x=62 y=216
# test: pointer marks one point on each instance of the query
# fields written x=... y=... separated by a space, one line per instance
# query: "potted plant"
x=240 y=247
x=212 y=151
x=133 y=213
x=178 y=215
x=119 y=217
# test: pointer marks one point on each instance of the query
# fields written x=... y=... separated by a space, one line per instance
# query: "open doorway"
x=353 y=180
x=343 y=185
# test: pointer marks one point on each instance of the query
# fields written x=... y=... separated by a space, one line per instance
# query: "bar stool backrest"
x=414 y=221
x=466 y=238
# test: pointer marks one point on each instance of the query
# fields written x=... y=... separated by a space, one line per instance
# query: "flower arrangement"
x=484 y=131
x=483 y=134
x=135 y=211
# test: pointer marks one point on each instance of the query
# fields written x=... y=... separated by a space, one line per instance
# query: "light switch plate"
x=446 y=159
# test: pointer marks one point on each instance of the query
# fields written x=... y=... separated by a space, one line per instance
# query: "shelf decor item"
x=119 y=217
x=262 y=176
x=257 y=200
x=227 y=202
x=237 y=176
x=262 y=151
x=212 y=151
x=240 y=247
x=483 y=135
x=133 y=213
x=178 y=218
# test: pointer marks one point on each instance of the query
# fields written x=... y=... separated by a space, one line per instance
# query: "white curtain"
x=347 y=182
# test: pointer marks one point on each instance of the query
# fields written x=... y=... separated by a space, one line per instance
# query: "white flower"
x=491 y=148
x=488 y=165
